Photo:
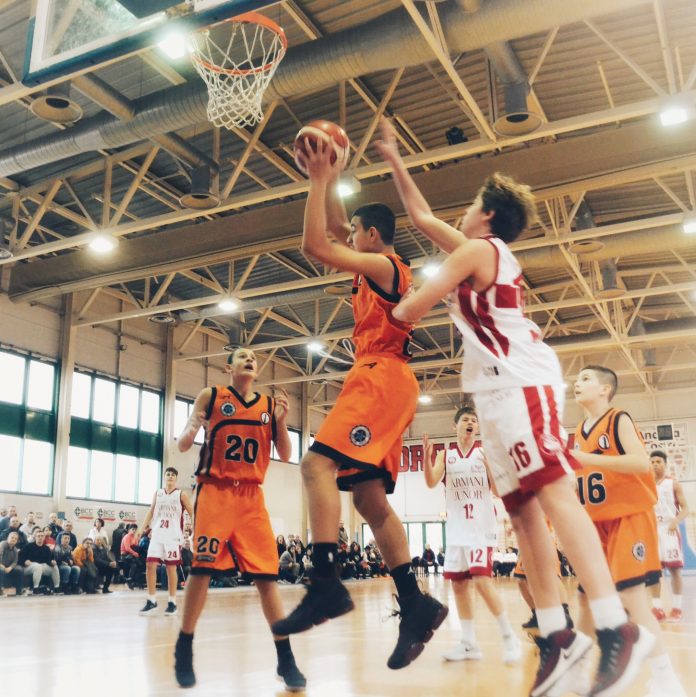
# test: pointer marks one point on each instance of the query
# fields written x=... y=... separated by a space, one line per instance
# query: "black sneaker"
x=183 y=663
x=558 y=653
x=149 y=608
x=622 y=651
x=171 y=609
x=531 y=624
x=324 y=600
x=420 y=616
x=290 y=674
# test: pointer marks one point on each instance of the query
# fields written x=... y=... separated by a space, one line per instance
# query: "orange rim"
x=249 y=18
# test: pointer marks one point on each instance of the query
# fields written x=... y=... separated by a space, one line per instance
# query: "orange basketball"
x=326 y=131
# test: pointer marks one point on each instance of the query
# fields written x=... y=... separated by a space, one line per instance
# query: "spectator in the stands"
x=281 y=545
x=83 y=556
x=15 y=526
x=289 y=568
x=56 y=527
x=428 y=559
x=307 y=559
x=5 y=515
x=49 y=540
x=342 y=535
x=105 y=562
x=356 y=555
x=116 y=538
x=68 y=530
x=10 y=572
x=186 y=557
x=38 y=561
x=130 y=554
x=29 y=524
x=69 y=572
x=98 y=531
x=441 y=557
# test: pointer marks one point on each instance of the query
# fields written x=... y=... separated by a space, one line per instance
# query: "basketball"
x=326 y=131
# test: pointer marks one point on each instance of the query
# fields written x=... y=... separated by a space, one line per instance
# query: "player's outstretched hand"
x=387 y=146
x=282 y=404
x=318 y=161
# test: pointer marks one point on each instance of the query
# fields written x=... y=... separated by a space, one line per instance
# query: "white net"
x=237 y=59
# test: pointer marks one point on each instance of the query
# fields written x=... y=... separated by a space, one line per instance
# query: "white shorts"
x=525 y=444
x=671 y=550
x=168 y=553
x=464 y=562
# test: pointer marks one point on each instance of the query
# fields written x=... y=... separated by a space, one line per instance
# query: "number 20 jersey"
x=238 y=440
x=471 y=518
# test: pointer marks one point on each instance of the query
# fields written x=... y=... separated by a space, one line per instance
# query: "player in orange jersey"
x=359 y=444
x=229 y=512
x=617 y=488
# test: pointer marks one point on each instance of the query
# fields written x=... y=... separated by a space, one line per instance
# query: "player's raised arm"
x=314 y=238
x=469 y=259
x=434 y=470
x=443 y=235
x=196 y=420
x=337 y=218
x=281 y=436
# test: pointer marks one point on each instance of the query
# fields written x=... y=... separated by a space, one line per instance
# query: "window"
x=36 y=467
x=149 y=480
x=104 y=401
x=182 y=411
x=41 y=385
x=12 y=385
x=101 y=475
x=415 y=539
x=150 y=412
x=126 y=478
x=433 y=536
x=128 y=397
x=10 y=447
x=81 y=395
x=296 y=449
x=76 y=476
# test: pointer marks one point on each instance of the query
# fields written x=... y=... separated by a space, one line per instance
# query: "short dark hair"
x=132 y=526
x=465 y=409
x=512 y=203
x=380 y=217
x=659 y=453
x=172 y=469
x=606 y=376
x=99 y=520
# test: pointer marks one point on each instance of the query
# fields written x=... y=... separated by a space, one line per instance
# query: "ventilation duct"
x=609 y=288
x=234 y=337
x=386 y=43
x=200 y=197
x=55 y=105
x=517 y=118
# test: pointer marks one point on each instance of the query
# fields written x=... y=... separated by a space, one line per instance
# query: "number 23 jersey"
x=238 y=440
x=606 y=494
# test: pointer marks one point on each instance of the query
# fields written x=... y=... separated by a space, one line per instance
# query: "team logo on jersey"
x=228 y=409
x=265 y=417
x=360 y=435
x=550 y=444
x=603 y=442
x=451 y=459
x=639 y=551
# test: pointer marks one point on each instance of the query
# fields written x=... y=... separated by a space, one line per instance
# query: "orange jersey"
x=238 y=440
x=606 y=494
x=376 y=331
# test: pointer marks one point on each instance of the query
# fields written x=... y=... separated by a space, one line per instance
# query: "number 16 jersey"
x=471 y=518
x=238 y=441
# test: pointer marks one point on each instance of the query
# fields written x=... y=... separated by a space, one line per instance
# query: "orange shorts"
x=227 y=519
x=363 y=432
x=631 y=548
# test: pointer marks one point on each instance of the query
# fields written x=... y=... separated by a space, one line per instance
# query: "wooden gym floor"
x=99 y=645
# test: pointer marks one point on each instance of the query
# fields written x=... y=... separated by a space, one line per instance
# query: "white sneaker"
x=577 y=680
x=512 y=649
x=464 y=651
x=671 y=689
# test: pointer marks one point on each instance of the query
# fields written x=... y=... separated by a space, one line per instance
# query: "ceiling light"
x=103 y=242
x=690 y=224
x=174 y=45
x=228 y=305
x=314 y=346
x=425 y=399
x=348 y=185
x=676 y=110
x=5 y=251
x=430 y=269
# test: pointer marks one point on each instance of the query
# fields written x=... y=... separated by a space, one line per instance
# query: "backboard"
x=67 y=36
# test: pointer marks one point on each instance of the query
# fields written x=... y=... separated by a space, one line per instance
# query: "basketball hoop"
x=237 y=59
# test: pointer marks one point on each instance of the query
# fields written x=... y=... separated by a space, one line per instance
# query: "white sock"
x=152 y=598
x=172 y=599
x=468 y=631
x=662 y=670
x=504 y=624
x=657 y=603
x=676 y=602
x=608 y=613
x=550 y=619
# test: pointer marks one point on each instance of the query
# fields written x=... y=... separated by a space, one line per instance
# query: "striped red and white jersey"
x=667 y=506
x=168 y=517
x=502 y=348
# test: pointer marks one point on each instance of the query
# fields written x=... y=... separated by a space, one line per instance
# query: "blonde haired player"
x=166 y=514
x=671 y=508
x=471 y=534
x=518 y=388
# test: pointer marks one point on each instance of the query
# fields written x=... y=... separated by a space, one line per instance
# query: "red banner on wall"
x=412 y=454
